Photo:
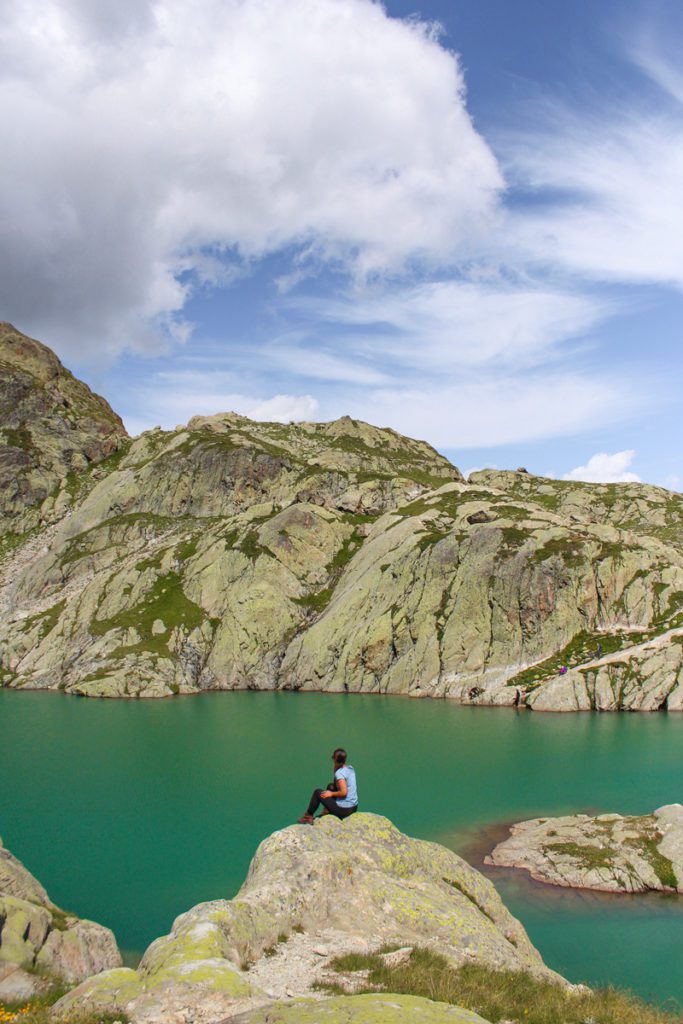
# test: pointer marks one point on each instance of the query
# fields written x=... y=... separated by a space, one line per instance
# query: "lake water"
x=132 y=812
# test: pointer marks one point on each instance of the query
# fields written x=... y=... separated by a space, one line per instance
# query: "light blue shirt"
x=348 y=773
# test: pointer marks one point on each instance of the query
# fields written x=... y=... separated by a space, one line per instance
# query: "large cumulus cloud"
x=151 y=145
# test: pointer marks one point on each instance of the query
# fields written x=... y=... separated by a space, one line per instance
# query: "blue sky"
x=462 y=220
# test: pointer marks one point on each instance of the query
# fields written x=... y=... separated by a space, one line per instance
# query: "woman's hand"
x=326 y=793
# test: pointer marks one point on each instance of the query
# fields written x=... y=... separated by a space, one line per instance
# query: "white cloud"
x=443 y=326
x=170 y=399
x=612 y=178
x=602 y=468
x=496 y=409
x=285 y=409
x=673 y=482
x=143 y=140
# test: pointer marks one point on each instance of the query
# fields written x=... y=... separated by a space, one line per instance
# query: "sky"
x=462 y=219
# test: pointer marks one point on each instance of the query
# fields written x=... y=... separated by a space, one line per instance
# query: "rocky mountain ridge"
x=337 y=556
x=51 y=424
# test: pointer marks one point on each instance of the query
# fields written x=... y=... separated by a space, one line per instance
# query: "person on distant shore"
x=341 y=796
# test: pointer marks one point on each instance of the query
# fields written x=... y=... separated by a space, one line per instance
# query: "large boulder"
x=377 y=1009
x=312 y=893
x=37 y=938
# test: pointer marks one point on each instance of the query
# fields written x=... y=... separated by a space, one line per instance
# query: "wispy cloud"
x=496 y=410
x=453 y=325
x=607 y=180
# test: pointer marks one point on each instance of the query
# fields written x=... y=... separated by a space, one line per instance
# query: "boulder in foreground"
x=365 y=1009
x=37 y=938
x=312 y=894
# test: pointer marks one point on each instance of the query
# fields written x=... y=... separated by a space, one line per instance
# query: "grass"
x=663 y=868
x=188 y=547
x=38 y=1009
x=18 y=437
x=514 y=538
x=581 y=648
x=429 y=538
x=251 y=547
x=165 y=600
x=10 y=541
x=147 y=525
x=589 y=857
x=318 y=602
x=499 y=995
x=47 y=619
x=569 y=549
x=647 y=845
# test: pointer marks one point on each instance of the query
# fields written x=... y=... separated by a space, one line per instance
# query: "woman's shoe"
x=305 y=819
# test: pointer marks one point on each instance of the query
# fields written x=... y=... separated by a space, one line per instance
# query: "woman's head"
x=339 y=757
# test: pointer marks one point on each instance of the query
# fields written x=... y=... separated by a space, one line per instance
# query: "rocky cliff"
x=37 y=939
x=51 y=425
x=607 y=852
x=337 y=556
x=312 y=894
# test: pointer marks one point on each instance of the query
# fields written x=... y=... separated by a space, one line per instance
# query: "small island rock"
x=606 y=852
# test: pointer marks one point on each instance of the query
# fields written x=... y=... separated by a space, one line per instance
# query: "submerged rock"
x=35 y=935
x=607 y=852
x=335 y=887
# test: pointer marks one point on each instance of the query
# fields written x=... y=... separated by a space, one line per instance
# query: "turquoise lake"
x=131 y=812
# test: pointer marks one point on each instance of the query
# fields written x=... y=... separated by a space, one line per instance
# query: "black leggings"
x=330 y=804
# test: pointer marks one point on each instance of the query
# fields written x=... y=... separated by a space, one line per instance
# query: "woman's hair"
x=339 y=756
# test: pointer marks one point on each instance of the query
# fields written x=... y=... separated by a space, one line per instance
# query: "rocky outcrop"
x=313 y=893
x=37 y=938
x=607 y=852
x=340 y=556
x=51 y=424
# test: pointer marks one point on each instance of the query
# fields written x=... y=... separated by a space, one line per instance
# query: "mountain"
x=335 y=556
x=51 y=424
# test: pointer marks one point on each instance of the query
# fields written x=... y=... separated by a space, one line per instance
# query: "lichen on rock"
x=361 y=1009
x=230 y=554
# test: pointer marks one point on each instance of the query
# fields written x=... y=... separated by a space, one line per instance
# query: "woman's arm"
x=341 y=790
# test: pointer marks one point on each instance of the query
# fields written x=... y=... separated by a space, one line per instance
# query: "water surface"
x=132 y=812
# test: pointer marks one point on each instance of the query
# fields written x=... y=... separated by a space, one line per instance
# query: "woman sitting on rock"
x=341 y=796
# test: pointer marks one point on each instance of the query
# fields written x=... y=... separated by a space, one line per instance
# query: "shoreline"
x=518 y=708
